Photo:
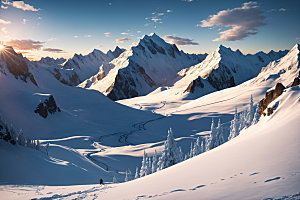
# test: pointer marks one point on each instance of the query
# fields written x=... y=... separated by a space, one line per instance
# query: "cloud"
x=122 y=40
x=188 y=0
x=4 y=7
x=24 y=21
x=75 y=36
x=243 y=21
x=52 y=50
x=282 y=9
x=4 y=30
x=2 y=21
x=180 y=41
x=156 y=20
x=169 y=11
x=51 y=39
x=124 y=33
x=25 y=44
x=298 y=38
x=88 y=36
x=107 y=34
x=21 y=5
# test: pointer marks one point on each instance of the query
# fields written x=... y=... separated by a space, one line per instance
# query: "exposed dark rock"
x=125 y=86
x=221 y=78
x=269 y=97
x=296 y=81
x=269 y=111
x=16 y=65
x=47 y=107
x=195 y=84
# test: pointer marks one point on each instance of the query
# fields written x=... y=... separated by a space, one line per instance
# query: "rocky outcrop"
x=48 y=106
x=296 y=81
x=270 y=96
x=197 y=83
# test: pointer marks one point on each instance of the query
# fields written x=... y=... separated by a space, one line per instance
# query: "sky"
x=60 y=28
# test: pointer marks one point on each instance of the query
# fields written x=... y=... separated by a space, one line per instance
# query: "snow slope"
x=260 y=163
x=141 y=69
x=283 y=70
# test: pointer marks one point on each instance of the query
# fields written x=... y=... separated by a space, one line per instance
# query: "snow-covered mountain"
x=81 y=67
x=141 y=69
x=224 y=68
x=51 y=61
x=15 y=64
x=283 y=70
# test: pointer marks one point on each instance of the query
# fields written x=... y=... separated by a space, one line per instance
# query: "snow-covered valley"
x=89 y=136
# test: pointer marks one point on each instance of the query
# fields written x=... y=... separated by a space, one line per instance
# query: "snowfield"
x=262 y=162
x=93 y=137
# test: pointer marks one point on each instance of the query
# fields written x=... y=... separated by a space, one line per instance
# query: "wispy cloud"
x=2 y=21
x=243 y=21
x=75 y=36
x=88 y=36
x=21 y=5
x=25 y=44
x=124 y=33
x=24 y=21
x=4 y=30
x=180 y=41
x=122 y=40
x=107 y=34
x=52 y=50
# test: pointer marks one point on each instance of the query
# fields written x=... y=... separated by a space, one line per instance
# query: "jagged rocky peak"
x=16 y=64
x=115 y=53
x=51 y=61
x=47 y=106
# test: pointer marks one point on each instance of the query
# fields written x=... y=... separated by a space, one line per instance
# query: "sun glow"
x=1 y=47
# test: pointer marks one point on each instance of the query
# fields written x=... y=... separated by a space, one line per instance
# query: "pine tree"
x=47 y=149
x=143 y=171
x=129 y=175
x=149 y=166
x=219 y=135
x=234 y=126
x=115 y=179
x=191 y=151
x=170 y=154
x=126 y=176
x=210 y=139
x=136 y=173
x=154 y=162
x=196 y=149
x=180 y=155
x=202 y=147
x=256 y=115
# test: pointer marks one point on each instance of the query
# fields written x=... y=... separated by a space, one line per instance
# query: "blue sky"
x=64 y=27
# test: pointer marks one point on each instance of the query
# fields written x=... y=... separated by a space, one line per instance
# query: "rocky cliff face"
x=16 y=64
x=48 y=106
x=270 y=96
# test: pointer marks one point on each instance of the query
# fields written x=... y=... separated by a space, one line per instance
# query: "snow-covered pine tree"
x=180 y=155
x=219 y=135
x=256 y=115
x=20 y=138
x=143 y=170
x=126 y=176
x=170 y=154
x=186 y=157
x=191 y=151
x=154 y=162
x=115 y=179
x=196 y=149
x=129 y=175
x=149 y=166
x=234 y=126
x=210 y=139
x=136 y=173
x=202 y=147
x=251 y=111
